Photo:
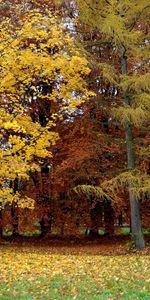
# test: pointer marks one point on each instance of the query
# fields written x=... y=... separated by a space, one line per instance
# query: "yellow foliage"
x=135 y=116
x=36 y=49
x=123 y=27
x=140 y=184
x=71 y=272
x=26 y=203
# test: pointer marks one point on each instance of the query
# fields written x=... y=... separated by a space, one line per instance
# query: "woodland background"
x=63 y=124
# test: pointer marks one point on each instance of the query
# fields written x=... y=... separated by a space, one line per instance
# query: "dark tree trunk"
x=14 y=212
x=136 y=227
x=120 y=220
x=96 y=219
x=108 y=217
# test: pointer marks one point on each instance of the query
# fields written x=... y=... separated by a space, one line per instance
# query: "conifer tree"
x=123 y=25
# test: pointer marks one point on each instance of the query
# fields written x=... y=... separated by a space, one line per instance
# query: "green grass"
x=59 y=288
x=30 y=273
x=122 y=230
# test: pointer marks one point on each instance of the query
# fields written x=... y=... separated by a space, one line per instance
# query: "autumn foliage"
x=74 y=94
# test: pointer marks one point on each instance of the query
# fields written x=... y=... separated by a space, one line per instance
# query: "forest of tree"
x=74 y=117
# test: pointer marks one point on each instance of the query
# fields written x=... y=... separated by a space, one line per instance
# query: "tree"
x=42 y=78
x=124 y=26
x=85 y=155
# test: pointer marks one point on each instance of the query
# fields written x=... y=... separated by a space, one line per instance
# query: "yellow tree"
x=36 y=48
x=123 y=25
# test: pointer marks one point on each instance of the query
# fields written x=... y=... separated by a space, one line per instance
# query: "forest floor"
x=73 y=268
x=103 y=245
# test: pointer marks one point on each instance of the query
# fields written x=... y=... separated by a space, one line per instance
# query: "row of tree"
x=74 y=113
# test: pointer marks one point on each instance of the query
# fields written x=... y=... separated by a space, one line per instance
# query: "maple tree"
x=39 y=66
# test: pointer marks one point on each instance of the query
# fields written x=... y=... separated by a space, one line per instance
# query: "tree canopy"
x=74 y=115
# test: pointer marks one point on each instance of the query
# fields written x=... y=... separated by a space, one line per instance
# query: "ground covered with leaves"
x=30 y=271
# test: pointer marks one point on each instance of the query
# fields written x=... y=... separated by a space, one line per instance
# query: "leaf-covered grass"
x=39 y=274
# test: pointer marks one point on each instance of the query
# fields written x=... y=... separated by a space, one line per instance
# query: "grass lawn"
x=38 y=273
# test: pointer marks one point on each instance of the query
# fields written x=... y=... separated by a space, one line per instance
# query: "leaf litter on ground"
x=38 y=272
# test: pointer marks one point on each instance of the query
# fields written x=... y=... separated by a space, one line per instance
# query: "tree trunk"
x=136 y=227
x=120 y=219
x=108 y=218
x=96 y=219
